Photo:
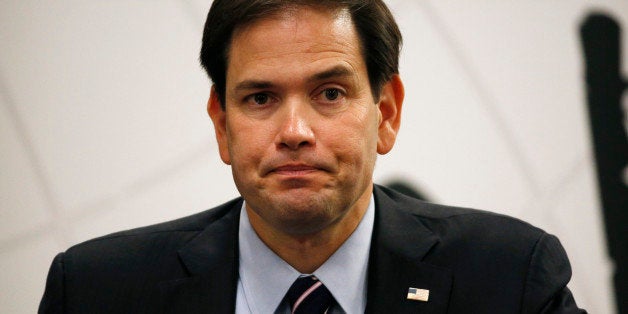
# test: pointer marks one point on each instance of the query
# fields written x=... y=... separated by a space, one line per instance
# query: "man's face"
x=301 y=129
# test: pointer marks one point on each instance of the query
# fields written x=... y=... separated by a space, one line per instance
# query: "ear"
x=390 y=101
x=219 y=119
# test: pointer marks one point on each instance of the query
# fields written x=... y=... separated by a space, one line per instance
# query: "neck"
x=307 y=252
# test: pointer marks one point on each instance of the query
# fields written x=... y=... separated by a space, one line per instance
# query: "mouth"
x=293 y=170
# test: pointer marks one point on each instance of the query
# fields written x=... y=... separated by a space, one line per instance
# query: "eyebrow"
x=336 y=71
x=252 y=84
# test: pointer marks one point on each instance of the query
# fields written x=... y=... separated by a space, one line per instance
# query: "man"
x=305 y=95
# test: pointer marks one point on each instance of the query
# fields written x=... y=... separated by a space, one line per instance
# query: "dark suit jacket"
x=471 y=262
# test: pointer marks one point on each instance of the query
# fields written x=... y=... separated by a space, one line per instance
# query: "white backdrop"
x=103 y=124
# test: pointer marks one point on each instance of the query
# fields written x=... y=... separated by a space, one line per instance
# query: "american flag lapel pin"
x=417 y=294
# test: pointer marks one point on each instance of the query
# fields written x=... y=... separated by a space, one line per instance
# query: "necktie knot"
x=308 y=295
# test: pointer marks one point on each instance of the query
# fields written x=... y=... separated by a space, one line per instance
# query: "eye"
x=260 y=99
x=330 y=96
x=331 y=93
x=330 y=99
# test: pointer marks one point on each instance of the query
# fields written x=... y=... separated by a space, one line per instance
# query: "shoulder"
x=166 y=236
x=488 y=254
x=485 y=239
x=451 y=222
x=122 y=272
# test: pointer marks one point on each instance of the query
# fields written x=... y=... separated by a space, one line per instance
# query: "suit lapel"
x=211 y=258
x=400 y=243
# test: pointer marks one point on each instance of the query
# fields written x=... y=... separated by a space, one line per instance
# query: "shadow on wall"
x=600 y=35
x=407 y=189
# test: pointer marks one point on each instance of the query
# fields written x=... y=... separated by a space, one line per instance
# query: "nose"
x=295 y=131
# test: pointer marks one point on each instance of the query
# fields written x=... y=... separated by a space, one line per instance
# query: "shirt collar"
x=266 y=278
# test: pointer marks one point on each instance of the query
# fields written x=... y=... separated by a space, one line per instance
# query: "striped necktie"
x=308 y=295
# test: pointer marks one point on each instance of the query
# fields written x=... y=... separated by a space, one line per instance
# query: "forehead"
x=296 y=37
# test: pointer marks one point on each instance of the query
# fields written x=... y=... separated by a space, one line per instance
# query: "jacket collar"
x=399 y=245
x=211 y=259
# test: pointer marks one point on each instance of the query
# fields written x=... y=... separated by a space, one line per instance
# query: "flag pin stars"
x=417 y=294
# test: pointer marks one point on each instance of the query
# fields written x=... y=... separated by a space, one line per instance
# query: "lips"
x=294 y=169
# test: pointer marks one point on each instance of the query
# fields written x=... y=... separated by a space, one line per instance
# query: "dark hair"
x=379 y=34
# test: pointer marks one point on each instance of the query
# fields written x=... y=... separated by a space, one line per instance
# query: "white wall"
x=103 y=124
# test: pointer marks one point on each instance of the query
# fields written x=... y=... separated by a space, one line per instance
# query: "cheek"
x=245 y=149
x=354 y=140
x=243 y=146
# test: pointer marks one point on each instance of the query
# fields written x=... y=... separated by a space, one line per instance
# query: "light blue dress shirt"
x=265 y=278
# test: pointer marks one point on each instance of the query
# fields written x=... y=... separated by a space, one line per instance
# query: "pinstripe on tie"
x=308 y=295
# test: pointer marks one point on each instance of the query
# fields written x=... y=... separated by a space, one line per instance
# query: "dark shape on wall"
x=406 y=188
x=605 y=87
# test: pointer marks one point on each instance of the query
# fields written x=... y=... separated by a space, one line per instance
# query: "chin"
x=305 y=215
x=303 y=227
